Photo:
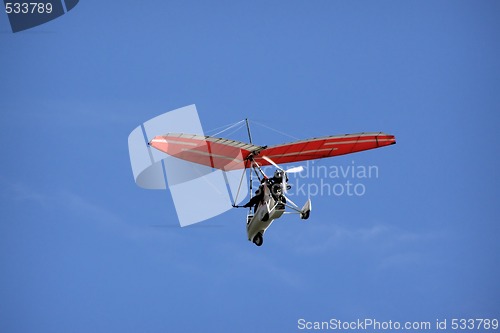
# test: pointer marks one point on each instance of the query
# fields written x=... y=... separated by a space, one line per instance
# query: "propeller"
x=272 y=162
x=291 y=170
x=299 y=168
x=296 y=169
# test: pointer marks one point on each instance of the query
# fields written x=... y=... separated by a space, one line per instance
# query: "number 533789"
x=28 y=8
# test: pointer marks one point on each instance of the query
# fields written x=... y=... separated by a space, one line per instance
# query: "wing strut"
x=244 y=170
x=235 y=200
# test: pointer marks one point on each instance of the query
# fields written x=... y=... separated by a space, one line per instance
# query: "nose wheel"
x=258 y=239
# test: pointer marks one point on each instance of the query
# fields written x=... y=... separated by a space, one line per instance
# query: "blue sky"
x=83 y=249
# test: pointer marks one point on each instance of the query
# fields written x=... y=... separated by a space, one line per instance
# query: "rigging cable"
x=275 y=130
x=227 y=128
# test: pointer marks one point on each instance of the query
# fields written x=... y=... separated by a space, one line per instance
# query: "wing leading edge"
x=217 y=153
x=322 y=147
x=228 y=155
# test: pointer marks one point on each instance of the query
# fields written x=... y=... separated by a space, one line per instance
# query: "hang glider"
x=226 y=155
x=209 y=174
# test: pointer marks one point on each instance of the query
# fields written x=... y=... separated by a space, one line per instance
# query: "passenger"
x=259 y=195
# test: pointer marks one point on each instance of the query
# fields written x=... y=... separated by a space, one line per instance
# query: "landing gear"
x=258 y=239
x=306 y=210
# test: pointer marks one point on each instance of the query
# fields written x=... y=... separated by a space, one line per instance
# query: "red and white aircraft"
x=270 y=200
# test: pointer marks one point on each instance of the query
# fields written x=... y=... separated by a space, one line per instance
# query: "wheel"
x=258 y=239
x=305 y=215
x=265 y=217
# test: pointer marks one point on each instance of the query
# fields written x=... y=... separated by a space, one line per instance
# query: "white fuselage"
x=267 y=211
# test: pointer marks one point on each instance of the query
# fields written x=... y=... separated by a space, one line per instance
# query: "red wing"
x=228 y=155
x=327 y=146
x=213 y=152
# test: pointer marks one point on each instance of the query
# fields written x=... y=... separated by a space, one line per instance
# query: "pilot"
x=259 y=195
x=278 y=177
x=277 y=182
